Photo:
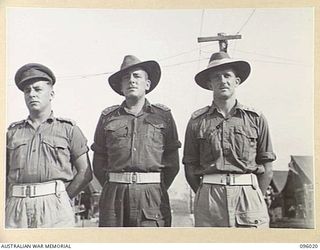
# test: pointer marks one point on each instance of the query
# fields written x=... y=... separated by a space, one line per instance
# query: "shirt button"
x=33 y=150
x=134 y=149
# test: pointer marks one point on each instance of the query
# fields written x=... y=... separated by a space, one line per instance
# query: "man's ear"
x=148 y=84
x=52 y=94
x=238 y=81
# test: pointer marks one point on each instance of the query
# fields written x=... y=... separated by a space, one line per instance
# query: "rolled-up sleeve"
x=172 y=140
x=78 y=143
x=99 y=145
x=264 y=146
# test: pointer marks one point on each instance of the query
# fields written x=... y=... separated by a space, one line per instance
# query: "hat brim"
x=151 y=67
x=21 y=85
x=242 y=69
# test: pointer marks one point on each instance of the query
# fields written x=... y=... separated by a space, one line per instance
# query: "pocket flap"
x=56 y=142
x=155 y=123
x=152 y=214
x=16 y=144
x=250 y=133
x=116 y=124
x=252 y=219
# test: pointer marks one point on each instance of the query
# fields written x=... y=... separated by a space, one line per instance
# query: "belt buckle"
x=134 y=177
x=228 y=179
x=28 y=190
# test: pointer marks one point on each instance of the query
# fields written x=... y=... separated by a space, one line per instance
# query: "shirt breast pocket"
x=56 y=151
x=155 y=132
x=209 y=142
x=117 y=133
x=17 y=153
x=246 y=143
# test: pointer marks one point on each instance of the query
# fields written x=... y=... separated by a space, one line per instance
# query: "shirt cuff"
x=80 y=152
x=173 y=146
x=265 y=157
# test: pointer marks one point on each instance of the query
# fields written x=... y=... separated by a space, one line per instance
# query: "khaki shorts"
x=230 y=206
x=49 y=211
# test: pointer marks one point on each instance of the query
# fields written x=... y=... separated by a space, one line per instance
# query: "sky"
x=83 y=47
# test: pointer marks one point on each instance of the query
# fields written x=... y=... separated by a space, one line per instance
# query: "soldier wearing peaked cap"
x=228 y=152
x=135 y=151
x=42 y=152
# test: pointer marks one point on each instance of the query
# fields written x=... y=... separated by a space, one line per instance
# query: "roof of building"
x=303 y=166
x=279 y=180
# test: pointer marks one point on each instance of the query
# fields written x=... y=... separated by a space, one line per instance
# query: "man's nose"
x=132 y=79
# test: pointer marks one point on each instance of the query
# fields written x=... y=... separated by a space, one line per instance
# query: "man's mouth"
x=132 y=88
x=33 y=102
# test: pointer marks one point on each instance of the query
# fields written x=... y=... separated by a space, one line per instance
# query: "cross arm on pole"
x=222 y=38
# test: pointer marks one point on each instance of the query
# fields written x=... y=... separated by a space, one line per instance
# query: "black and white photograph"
x=180 y=118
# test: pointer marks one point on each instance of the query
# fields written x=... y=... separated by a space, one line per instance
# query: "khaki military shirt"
x=45 y=153
x=136 y=143
x=238 y=144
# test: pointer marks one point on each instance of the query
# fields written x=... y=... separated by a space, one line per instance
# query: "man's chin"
x=33 y=108
x=131 y=95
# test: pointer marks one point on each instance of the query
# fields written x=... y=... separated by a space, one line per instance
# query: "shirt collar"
x=147 y=107
x=50 y=119
x=214 y=107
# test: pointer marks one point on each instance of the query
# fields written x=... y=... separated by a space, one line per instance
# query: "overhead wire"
x=200 y=33
x=243 y=25
x=199 y=59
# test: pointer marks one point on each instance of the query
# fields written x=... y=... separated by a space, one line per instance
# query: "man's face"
x=223 y=83
x=38 y=95
x=135 y=83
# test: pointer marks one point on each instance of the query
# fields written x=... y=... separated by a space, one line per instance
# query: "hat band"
x=219 y=62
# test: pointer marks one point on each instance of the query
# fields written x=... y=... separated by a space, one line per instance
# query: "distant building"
x=276 y=208
x=292 y=199
x=87 y=202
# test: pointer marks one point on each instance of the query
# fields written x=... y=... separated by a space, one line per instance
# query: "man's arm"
x=99 y=163
x=265 y=178
x=192 y=179
x=265 y=155
x=82 y=177
x=171 y=152
x=171 y=169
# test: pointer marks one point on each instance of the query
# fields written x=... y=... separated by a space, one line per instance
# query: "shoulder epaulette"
x=161 y=106
x=252 y=110
x=14 y=124
x=108 y=110
x=199 y=112
x=72 y=122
